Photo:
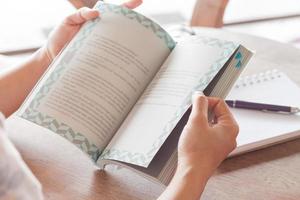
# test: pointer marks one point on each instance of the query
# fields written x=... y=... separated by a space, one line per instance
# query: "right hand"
x=202 y=145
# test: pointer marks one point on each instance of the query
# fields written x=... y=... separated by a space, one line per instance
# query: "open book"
x=121 y=89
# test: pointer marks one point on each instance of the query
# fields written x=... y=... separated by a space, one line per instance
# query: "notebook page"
x=271 y=87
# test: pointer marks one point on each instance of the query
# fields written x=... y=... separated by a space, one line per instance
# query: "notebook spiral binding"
x=257 y=78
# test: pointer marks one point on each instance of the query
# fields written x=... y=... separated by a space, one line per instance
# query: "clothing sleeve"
x=16 y=179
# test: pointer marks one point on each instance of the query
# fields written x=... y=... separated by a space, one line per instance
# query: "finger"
x=223 y=115
x=199 y=110
x=132 y=4
x=218 y=106
x=220 y=110
x=81 y=16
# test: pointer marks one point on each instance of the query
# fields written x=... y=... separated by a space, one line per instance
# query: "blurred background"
x=26 y=24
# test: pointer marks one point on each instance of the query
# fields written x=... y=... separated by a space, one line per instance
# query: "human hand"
x=63 y=33
x=203 y=145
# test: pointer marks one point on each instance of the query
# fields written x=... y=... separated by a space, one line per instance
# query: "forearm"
x=15 y=86
x=188 y=183
x=209 y=13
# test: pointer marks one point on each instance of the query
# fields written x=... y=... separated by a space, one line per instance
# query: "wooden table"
x=272 y=173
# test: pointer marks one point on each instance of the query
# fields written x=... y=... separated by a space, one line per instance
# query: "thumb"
x=82 y=15
x=132 y=4
x=199 y=109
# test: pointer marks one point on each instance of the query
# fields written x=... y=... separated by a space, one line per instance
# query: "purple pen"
x=261 y=106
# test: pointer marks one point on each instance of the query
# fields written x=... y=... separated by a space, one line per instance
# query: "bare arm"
x=209 y=13
x=15 y=86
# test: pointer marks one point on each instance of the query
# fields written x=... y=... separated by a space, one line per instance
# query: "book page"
x=163 y=166
x=94 y=83
x=191 y=66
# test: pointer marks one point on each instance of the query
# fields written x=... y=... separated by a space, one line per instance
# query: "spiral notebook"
x=261 y=129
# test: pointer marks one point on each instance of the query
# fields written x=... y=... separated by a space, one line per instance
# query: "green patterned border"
x=144 y=21
x=49 y=122
x=62 y=129
x=145 y=159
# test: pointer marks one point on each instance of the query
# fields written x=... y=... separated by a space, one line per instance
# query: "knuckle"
x=197 y=99
x=235 y=129
x=234 y=144
x=221 y=101
x=231 y=148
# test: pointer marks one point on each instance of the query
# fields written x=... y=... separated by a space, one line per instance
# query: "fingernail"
x=96 y=11
x=197 y=93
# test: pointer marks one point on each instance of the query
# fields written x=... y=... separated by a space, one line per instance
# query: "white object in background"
x=167 y=12
x=242 y=11
x=257 y=128
x=23 y=23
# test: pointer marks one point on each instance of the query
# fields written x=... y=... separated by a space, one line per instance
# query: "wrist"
x=45 y=55
x=42 y=59
x=187 y=183
x=201 y=164
x=18 y=84
x=198 y=171
x=39 y=62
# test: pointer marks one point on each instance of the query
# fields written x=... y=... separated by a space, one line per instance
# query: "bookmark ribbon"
x=238 y=57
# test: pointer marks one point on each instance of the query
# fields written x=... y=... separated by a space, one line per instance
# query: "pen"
x=262 y=106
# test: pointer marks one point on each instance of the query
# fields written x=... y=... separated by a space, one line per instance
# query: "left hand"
x=63 y=33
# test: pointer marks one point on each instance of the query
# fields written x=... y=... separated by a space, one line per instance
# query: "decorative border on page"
x=32 y=114
x=144 y=21
x=62 y=129
x=145 y=159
